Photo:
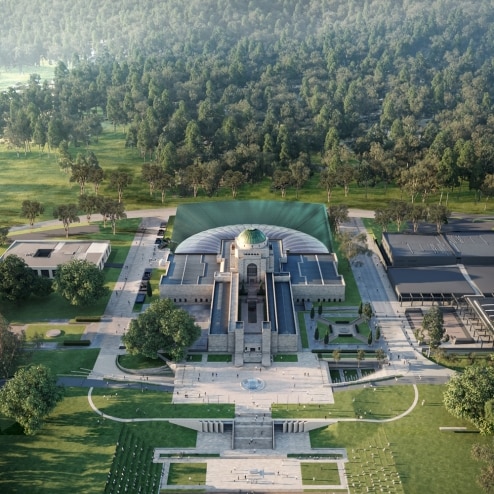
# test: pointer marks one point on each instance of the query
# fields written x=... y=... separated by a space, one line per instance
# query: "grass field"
x=126 y=403
x=187 y=474
x=427 y=459
x=76 y=446
x=69 y=362
x=52 y=187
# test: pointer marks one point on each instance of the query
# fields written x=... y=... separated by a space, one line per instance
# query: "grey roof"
x=191 y=269
x=209 y=241
x=472 y=244
x=483 y=277
x=48 y=254
x=426 y=280
x=403 y=245
x=311 y=269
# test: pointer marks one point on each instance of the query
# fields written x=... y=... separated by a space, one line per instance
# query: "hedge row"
x=88 y=319
x=76 y=342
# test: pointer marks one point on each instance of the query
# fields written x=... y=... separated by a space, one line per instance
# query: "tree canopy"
x=11 y=348
x=18 y=281
x=80 y=282
x=30 y=396
x=433 y=323
x=468 y=394
x=161 y=328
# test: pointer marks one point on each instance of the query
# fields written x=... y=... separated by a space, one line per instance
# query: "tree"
x=383 y=218
x=151 y=173
x=326 y=337
x=31 y=209
x=353 y=245
x=367 y=311
x=89 y=205
x=378 y=332
x=439 y=215
x=233 y=180
x=81 y=171
x=4 y=235
x=282 y=179
x=80 y=282
x=433 y=323
x=164 y=184
x=119 y=180
x=360 y=357
x=18 y=281
x=96 y=176
x=468 y=393
x=400 y=212
x=328 y=179
x=64 y=158
x=336 y=355
x=417 y=213
x=300 y=173
x=319 y=310
x=312 y=313
x=11 y=349
x=112 y=211
x=316 y=333
x=337 y=214
x=161 y=328
x=67 y=214
x=380 y=356
x=30 y=396
x=369 y=338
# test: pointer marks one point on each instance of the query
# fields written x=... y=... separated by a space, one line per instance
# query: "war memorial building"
x=251 y=264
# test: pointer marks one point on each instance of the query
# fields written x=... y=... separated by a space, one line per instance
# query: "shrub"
x=88 y=319
x=77 y=342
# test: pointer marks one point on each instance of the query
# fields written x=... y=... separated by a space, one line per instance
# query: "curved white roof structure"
x=209 y=241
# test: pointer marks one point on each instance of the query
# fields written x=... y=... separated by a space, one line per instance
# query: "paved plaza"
x=305 y=381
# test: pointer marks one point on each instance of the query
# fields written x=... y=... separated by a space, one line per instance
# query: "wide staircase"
x=253 y=431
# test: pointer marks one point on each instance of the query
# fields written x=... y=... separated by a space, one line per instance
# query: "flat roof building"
x=44 y=256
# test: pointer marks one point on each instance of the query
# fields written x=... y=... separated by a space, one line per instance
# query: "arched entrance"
x=252 y=273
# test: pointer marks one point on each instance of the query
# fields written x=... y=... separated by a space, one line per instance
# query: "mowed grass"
x=10 y=77
x=383 y=403
x=320 y=473
x=426 y=459
x=74 y=451
x=187 y=474
x=127 y=403
x=68 y=332
x=37 y=176
x=68 y=362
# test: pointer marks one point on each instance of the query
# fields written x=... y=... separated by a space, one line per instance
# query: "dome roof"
x=251 y=236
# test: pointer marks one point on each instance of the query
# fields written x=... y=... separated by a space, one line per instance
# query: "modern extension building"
x=44 y=256
x=440 y=267
x=251 y=263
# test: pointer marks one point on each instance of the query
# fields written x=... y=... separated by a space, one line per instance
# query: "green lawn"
x=66 y=362
x=384 y=402
x=426 y=459
x=53 y=187
x=320 y=473
x=68 y=332
x=285 y=358
x=74 y=450
x=187 y=474
x=303 y=329
x=138 y=362
x=127 y=403
x=220 y=358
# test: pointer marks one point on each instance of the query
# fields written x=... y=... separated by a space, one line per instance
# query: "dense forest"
x=218 y=92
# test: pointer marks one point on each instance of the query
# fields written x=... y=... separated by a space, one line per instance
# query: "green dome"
x=251 y=236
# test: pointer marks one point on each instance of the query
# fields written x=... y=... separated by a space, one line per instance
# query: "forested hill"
x=223 y=91
x=58 y=29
